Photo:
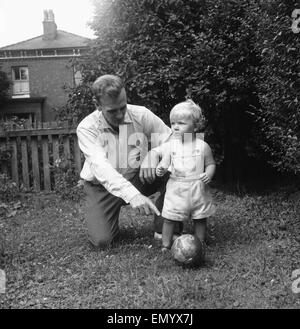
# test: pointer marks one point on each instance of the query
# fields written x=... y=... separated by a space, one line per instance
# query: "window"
x=20 y=79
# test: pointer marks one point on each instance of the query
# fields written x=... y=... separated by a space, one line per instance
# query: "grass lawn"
x=254 y=246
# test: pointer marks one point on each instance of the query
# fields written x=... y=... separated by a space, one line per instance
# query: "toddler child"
x=192 y=167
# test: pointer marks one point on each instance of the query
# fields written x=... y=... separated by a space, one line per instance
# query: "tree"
x=211 y=51
x=169 y=50
x=278 y=85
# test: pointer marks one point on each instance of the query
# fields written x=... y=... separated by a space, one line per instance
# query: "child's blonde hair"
x=195 y=112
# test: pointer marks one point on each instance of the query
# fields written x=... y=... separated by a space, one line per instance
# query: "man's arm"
x=155 y=129
x=148 y=167
x=108 y=176
x=100 y=166
x=157 y=132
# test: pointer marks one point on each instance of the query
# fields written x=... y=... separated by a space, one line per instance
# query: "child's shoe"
x=166 y=248
x=157 y=239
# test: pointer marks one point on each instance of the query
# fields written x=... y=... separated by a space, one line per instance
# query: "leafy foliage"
x=67 y=184
x=78 y=106
x=278 y=85
x=212 y=51
x=8 y=189
x=12 y=122
x=5 y=153
x=4 y=86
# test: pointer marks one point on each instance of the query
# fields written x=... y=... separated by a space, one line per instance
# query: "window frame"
x=20 y=86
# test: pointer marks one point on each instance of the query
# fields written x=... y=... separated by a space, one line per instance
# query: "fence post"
x=46 y=166
x=14 y=162
x=35 y=164
x=31 y=155
x=24 y=154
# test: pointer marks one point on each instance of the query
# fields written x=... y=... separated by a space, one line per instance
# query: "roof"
x=63 y=40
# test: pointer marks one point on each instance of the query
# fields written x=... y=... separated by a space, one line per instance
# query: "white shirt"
x=112 y=158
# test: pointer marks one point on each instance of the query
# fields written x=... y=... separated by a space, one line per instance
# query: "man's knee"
x=102 y=242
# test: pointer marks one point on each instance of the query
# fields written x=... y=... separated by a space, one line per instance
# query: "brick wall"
x=47 y=77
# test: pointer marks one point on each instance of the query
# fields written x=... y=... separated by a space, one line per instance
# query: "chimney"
x=50 y=27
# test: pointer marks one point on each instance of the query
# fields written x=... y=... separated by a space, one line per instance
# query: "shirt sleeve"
x=155 y=129
x=100 y=166
x=162 y=149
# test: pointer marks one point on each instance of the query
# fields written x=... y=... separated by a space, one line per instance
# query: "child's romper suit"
x=186 y=195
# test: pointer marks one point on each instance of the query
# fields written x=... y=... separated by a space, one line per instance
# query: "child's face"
x=182 y=123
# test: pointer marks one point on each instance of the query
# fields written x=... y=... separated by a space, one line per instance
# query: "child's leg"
x=167 y=233
x=200 y=228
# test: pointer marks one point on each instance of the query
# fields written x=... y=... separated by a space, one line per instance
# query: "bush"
x=278 y=85
x=223 y=54
x=4 y=86
x=169 y=50
x=79 y=104
x=5 y=154
x=9 y=191
x=67 y=183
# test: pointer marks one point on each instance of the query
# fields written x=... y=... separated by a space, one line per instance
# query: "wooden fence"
x=37 y=151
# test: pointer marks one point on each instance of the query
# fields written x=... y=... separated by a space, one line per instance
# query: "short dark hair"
x=107 y=85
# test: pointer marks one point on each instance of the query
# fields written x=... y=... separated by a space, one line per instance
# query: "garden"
x=239 y=60
x=253 y=249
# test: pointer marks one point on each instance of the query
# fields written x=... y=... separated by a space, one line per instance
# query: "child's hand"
x=160 y=170
x=205 y=178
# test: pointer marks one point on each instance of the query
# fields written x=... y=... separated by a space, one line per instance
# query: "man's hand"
x=147 y=170
x=144 y=205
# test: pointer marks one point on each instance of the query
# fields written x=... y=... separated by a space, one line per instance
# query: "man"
x=113 y=140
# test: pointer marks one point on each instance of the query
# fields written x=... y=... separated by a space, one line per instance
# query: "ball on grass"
x=187 y=250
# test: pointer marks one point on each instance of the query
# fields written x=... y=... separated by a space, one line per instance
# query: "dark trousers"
x=103 y=209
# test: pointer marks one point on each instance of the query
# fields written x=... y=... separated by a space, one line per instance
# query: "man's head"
x=110 y=97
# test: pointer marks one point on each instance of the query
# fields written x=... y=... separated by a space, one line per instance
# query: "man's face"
x=114 y=109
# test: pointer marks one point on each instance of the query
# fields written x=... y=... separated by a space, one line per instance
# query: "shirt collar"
x=105 y=125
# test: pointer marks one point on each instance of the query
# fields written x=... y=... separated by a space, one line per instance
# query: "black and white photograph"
x=150 y=157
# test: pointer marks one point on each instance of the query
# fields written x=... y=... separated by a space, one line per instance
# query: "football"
x=188 y=250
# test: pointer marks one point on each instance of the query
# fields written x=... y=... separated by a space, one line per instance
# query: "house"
x=40 y=68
